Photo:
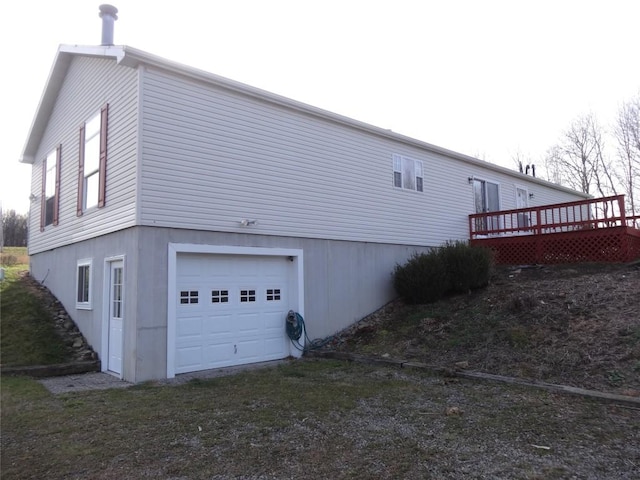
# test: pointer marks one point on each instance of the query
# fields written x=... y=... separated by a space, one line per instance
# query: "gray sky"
x=487 y=78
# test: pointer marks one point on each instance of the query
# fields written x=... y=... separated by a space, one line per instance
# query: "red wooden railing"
x=586 y=230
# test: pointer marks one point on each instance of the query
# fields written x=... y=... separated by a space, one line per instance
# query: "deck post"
x=625 y=247
x=538 y=237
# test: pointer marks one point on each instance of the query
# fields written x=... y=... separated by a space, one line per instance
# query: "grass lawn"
x=27 y=335
x=313 y=420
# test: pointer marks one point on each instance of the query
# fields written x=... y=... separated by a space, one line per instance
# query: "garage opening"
x=230 y=308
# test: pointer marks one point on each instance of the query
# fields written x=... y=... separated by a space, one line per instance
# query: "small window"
x=247 y=296
x=219 y=296
x=83 y=285
x=188 y=296
x=408 y=173
x=273 y=294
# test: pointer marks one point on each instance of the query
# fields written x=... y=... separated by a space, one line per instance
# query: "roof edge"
x=51 y=87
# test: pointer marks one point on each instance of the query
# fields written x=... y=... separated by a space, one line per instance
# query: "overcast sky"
x=488 y=78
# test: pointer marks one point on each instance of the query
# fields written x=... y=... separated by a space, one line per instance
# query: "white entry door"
x=116 y=313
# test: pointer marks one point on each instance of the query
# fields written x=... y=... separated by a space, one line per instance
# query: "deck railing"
x=561 y=217
x=595 y=230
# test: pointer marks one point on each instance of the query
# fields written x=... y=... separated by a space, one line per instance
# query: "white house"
x=179 y=215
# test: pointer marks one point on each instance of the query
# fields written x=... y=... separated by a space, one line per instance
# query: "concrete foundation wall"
x=343 y=282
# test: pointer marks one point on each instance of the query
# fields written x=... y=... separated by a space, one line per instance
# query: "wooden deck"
x=595 y=230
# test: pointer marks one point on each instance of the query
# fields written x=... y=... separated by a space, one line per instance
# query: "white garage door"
x=230 y=310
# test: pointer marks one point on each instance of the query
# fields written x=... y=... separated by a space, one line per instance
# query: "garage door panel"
x=249 y=324
x=250 y=348
x=239 y=313
x=219 y=324
x=273 y=346
x=188 y=358
x=219 y=352
x=274 y=320
x=189 y=327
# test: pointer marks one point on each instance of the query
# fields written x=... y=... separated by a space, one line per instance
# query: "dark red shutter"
x=104 y=115
x=80 y=202
x=56 y=201
x=43 y=197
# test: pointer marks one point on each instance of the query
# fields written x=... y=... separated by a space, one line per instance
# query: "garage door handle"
x=235 y=349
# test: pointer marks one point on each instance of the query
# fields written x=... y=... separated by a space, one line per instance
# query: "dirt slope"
x=573 y=325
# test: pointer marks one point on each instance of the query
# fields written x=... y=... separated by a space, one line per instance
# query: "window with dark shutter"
x=56 y=202
x=80 y=201
x=50 y=188
x=92 y=164
x=43 y=198
x=102 y=189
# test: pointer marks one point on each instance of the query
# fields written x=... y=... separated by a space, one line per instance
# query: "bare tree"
x=552 y=165
x=603 y=173
x=626 y=132
x=578 y=159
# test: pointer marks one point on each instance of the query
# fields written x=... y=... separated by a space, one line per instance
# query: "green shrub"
x=456 y=267
x=422 y=279
x=468 y=268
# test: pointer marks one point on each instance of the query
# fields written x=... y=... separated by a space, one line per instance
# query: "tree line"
x=600 y=160
x=14 y=229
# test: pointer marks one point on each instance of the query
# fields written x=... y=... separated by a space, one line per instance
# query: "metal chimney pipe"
x=108 y=14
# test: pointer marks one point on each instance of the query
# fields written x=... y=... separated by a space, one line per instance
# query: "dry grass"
x=576 y=325
x=311 y=420
x=323 y=419
x=15 y=257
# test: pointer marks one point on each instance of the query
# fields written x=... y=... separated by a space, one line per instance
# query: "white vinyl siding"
x=89 y=84
x=212 y=157
x=188 y=153
x=298 y=175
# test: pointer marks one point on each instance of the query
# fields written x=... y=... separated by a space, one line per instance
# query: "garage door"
x=231 y=309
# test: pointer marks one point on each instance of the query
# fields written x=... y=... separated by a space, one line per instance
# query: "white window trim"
x=418 y=166
x=88 y=304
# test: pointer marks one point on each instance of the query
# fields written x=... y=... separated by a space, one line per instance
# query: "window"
x=83 y=285
x=407 y=173
x=219 y=296
x=247 y=296
x=188 y=296
x=50 y=188
x=487 y=199
x=273 y=294
x=92 y=169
